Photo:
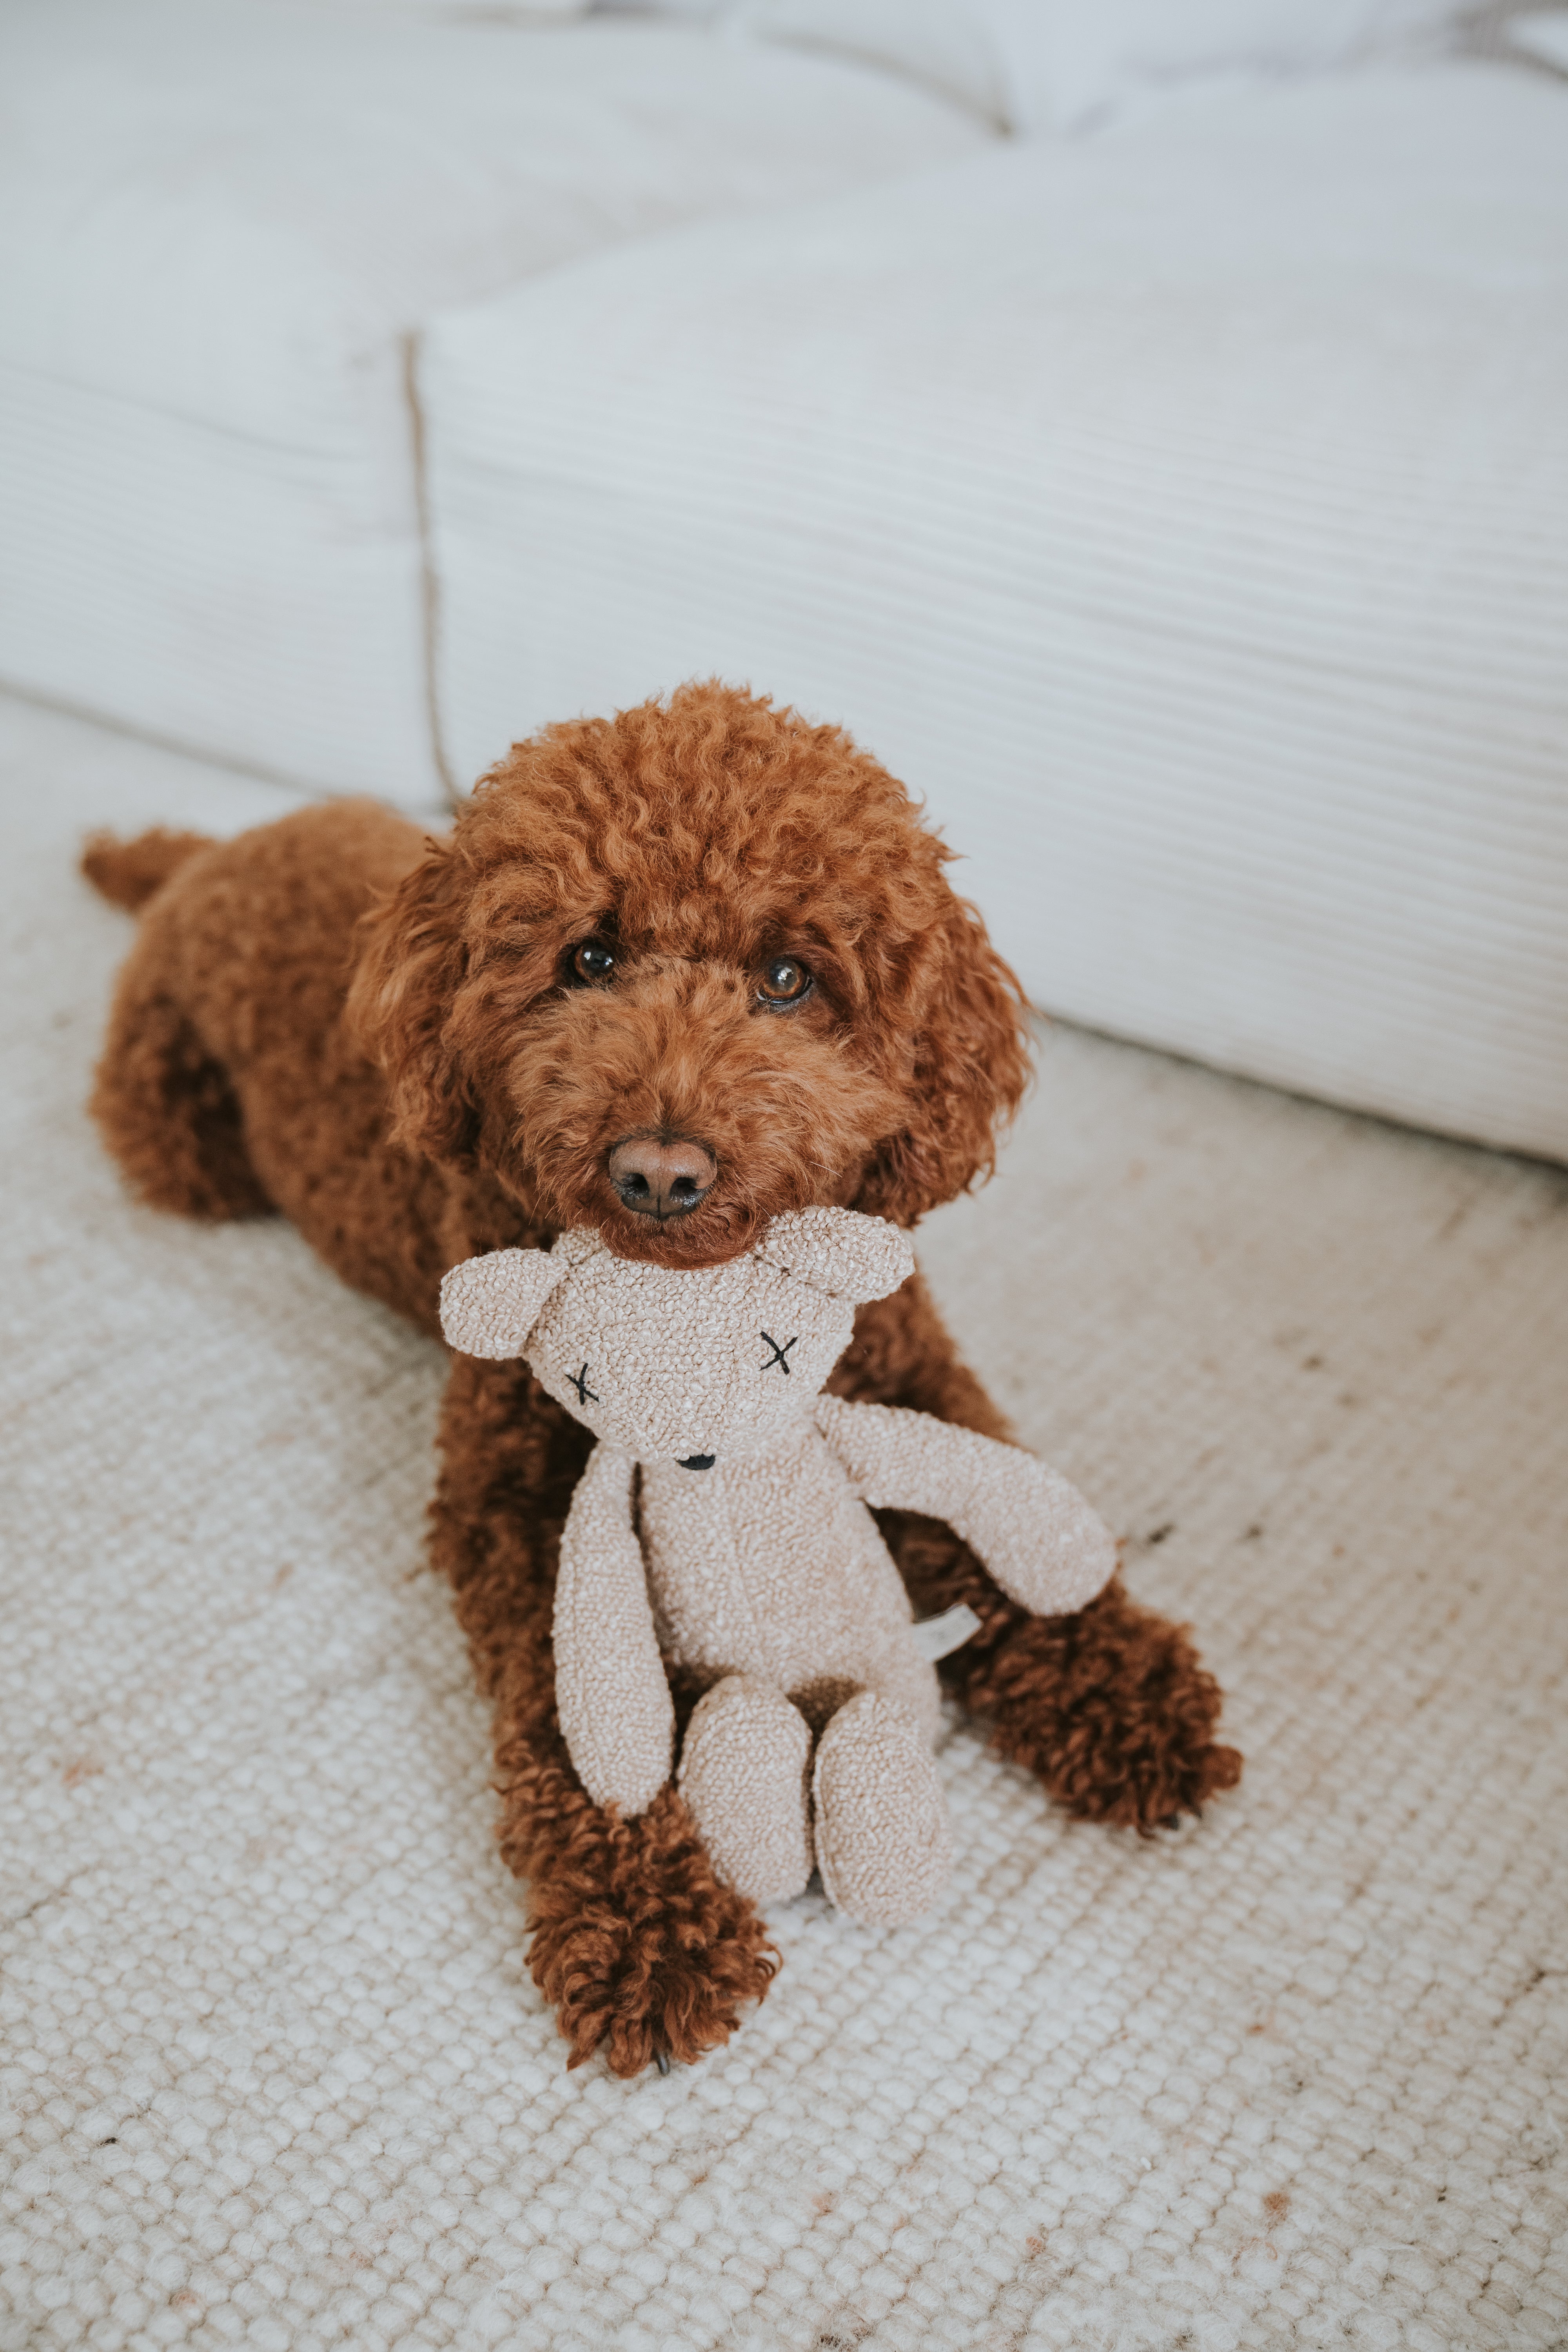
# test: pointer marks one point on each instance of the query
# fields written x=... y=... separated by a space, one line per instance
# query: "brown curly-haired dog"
x=670 y=974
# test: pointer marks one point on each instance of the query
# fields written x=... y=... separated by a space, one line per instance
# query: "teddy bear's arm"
x=610 y=1687
x=1041 y=1541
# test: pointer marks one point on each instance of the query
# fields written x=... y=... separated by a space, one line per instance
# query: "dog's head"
x=684 y=1364
x=677 y=972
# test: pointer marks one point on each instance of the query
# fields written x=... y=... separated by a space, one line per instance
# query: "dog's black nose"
x=700 y=1462
x=661 y=1175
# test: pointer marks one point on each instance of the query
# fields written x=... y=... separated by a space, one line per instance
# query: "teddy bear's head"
x=675 y=1364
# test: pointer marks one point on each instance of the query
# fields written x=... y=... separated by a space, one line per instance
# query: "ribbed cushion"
x=241 y=595
x=1185 y=513
x=219 y=222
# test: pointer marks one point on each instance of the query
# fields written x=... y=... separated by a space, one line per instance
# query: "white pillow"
x=1059 y=64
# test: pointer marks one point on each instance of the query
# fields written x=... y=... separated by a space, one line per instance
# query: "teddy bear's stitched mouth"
x=698 y=1461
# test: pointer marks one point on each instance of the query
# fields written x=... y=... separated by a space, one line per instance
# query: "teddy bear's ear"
x=841 y=1252
x=490 y=1304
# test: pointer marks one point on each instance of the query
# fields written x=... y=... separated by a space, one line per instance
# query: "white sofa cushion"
x=1183 y=512
x=219 y=222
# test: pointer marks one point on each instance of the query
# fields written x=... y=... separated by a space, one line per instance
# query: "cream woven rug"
x=273 y=2072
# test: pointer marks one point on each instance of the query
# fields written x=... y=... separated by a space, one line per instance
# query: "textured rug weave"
x=271 y=2070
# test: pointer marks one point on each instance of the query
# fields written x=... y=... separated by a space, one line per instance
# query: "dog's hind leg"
x=165 y=1106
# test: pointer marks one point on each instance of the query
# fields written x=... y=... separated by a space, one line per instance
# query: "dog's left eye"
x=783 y=981
x=590 y=960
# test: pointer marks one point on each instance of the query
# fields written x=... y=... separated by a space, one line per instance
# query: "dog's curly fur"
x=377 y=1033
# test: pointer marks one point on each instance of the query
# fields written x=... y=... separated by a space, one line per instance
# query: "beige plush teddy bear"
x=723 y=1524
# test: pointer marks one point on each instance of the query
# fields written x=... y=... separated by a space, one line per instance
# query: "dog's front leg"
x=1111 y=1707
x=635 y=1943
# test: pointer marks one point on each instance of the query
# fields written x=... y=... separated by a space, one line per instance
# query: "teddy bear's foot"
x=883 y=1843
x=743 y=1775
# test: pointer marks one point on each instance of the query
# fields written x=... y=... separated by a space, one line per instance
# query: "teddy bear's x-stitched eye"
x=783 y=981
x=592 y=959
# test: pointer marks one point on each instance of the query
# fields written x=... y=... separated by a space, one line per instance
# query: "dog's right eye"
x=590 y=960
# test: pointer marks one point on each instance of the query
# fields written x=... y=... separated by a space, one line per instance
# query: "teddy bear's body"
x=723 y=1524
x=771 y=1565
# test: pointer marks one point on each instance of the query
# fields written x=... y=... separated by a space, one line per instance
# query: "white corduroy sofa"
x=1181 y=507
x=223 y=224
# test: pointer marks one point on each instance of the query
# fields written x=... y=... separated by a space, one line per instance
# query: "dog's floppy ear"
x=840 y=1252
x=971 y=1066
x=411 y=963
x=490 y=1304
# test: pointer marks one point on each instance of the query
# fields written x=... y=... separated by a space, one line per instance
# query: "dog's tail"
x=128 y=872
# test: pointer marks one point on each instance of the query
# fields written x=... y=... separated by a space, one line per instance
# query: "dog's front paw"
x=640 y=1949
x=1111 y=1707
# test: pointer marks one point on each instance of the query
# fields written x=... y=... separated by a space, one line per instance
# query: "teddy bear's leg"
x=743 y=1775
x=883 y=1843
x=637 y=1944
